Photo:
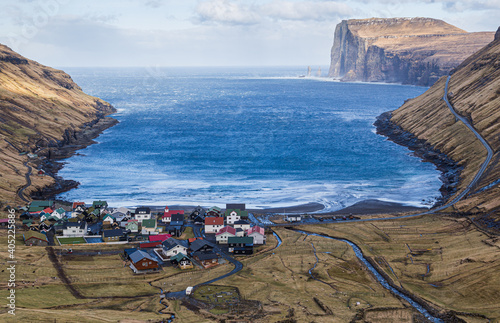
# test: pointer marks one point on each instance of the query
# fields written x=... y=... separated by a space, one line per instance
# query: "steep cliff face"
x=400 y=50
x=41 y=111
x=474 y=91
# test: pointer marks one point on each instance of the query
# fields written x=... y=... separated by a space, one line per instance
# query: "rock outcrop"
x=474 y=91
x=45 y=113
x=400 y=50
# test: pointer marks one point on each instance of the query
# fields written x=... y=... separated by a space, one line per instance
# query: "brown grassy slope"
x=474 y=88
x=37 y=105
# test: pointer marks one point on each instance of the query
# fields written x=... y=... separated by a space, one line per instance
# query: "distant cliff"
x=425 y=123
x=42 y=111
x=400 y=50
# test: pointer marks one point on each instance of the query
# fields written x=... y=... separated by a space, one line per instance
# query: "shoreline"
x=71 y=143
x=450 y=170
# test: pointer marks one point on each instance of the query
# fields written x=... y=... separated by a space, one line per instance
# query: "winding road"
x=20 y=193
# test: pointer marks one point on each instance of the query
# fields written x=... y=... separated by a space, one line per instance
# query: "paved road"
x=28 y=183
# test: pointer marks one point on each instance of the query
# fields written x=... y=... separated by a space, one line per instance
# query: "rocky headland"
x=414 y=51
x=426 y=125
x=45 y=116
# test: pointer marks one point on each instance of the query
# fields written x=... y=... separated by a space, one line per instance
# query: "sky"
x=92 y=33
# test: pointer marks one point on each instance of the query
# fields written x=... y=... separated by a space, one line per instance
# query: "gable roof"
x=168 y=213
x=198 y=244
x=241 y=222
x=205 y=256
x=36 y=235
x=48 y=210
x=177 y=218
x=138 y=255
x=159 y=237
x=255 y=229
x=112 y=233
x=227 y=229
x=79 y=225
x=99 y=203
x=212 y=220
x=60 y=211
x=108 y=216
x=43 y=204
x=178 y=257
x=142 y=210
x=171 y=243
x=75 y=204
x=150 y=223
x=245 y=240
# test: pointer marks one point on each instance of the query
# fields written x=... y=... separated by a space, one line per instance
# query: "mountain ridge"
x=474 y=93
x=43 y=112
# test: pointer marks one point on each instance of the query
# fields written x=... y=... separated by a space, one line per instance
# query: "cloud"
x=306 y=10
x=227 y=12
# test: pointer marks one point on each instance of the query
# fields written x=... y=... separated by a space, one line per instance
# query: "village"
x=204 y=238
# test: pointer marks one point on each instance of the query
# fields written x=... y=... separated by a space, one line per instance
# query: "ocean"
x=261 y=136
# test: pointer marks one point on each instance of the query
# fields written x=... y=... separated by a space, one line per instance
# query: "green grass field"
x=71 y=240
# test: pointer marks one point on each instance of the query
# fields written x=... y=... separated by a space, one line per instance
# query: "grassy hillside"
x=474 y=92
x=40 y=107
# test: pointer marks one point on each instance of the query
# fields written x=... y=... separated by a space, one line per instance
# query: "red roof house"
x=167 y=214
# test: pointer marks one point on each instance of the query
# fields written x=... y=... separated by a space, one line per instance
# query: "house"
x=213 y=224
x=45 y=225
x=201 y=246
x=74 y=229
x=206 y=259
x=132 y=225
x=94 y=228
x=113 y=235
x=143 y=262
x=240 y=232
x=241 y=224
x=214 y=211
x=198 y=219
x=233 y=215
x=159 y=237
x=258 y=234
x=100 y=205
x=42 y=204
x=176 y=225
x=149 y=226
x=108 y=219
x=224 y=233
x=142 y=213
x=59 y=213
x=167 y=214
x=172 y=247
x=241 y=245
x=123 y=210
x=197 y=212
x=293 y=218
x=33 y=238
x=181 y=260
x=77 y=208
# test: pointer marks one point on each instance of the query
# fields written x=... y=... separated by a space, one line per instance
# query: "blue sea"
x=261 y=136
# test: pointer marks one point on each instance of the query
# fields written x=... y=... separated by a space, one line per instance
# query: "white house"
x=143 y=213
x=232 y=217
x=213 y=224
x=243 y=225
x=75 y=229
x=172 y=247
x=258 y=234
x=224 y=233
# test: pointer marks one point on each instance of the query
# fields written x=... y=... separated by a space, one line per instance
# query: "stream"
x=376 y=274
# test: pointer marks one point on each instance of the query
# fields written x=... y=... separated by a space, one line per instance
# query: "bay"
x=261 y=136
